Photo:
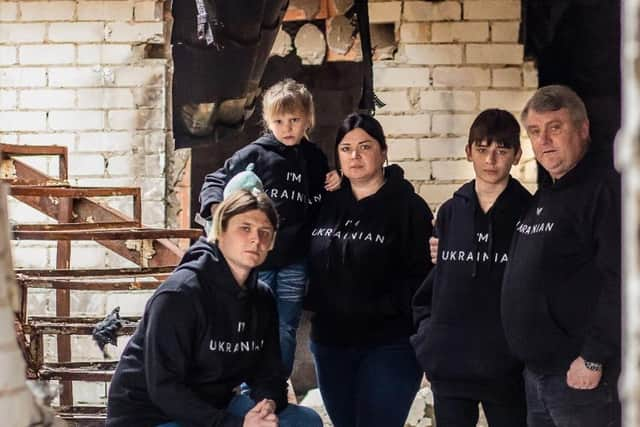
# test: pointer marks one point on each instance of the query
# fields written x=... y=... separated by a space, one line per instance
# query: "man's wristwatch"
x=593 y=366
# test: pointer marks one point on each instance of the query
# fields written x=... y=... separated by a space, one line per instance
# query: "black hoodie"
x=293 y=177
x=200 y=336
x=367 y=258
x=561 y=292
x=460 y=342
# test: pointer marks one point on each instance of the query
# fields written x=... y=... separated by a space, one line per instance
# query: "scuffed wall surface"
x=17 y=404
x=83 y=74
x=454 y=59
x=627 y=155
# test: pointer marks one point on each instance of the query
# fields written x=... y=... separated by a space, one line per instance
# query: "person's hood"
x=588 y=166
x=269 y=142
x=511 y=196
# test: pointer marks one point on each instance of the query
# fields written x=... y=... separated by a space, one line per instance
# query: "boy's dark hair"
x=495 y=125
x=365 y=122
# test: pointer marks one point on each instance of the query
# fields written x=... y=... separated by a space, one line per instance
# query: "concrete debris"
x=340 y=34
x=310 y=45
x=283 y=44
x=310 y=7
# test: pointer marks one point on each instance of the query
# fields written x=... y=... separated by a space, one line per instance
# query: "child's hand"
x=332 y=181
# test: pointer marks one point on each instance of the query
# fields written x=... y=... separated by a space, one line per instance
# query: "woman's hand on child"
x=332 y=181
x=433 y=249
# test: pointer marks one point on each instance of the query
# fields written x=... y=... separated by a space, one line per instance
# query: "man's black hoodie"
x=367 y=258
x=460 y=342
x=561 y=292
x=200 y=336
x=293 y=177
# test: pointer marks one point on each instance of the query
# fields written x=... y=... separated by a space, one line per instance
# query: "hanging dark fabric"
x=220 y=50
x=369 y=100
x=577 y=43
x=208 y=24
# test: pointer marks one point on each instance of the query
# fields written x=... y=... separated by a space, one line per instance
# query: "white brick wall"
x=492 y=9
x=448 y=100
x=402 y=149
x=42 y=54
x=461 y=77
x=73 y=73
x=105 y=11
x=384 y=11
x=395 y=77
x=455 y=59
x=46 y=10
x=427 y=11
x=448 y=32
x=8 y=55
x=432 y=54
x=39 y=99
x=8 y=11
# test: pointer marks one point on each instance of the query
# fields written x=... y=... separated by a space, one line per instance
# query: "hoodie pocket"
x=453 y=353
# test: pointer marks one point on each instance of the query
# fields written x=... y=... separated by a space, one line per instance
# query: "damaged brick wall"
x=454 y=59
x=83 y=74
x=627 y=158
x=91 y=76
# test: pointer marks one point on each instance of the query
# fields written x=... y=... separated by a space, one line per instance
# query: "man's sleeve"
x=603 y=339
x=270 y=381
x=168 y=346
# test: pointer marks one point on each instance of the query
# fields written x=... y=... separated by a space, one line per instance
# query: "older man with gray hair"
x=561 y=288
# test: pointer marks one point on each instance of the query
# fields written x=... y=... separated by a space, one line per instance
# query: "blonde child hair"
x=288 y=96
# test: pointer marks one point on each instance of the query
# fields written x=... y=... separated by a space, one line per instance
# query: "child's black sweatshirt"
x=460 y=342
x=293 y=177
x=367 y=259
x=201 y=335
x=561 y=292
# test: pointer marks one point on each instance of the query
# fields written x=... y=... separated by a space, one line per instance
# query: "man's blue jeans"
x=289 y=286
x=291 y=416
x=372 y=386
x=552 y=403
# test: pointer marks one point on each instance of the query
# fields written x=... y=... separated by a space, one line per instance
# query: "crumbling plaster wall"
x=627 y=155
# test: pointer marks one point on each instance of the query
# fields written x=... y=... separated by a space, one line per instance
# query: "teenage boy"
x=460 y=342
